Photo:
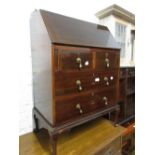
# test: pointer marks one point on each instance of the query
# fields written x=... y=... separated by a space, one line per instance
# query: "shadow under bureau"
x=75 y=72
x=81 y=140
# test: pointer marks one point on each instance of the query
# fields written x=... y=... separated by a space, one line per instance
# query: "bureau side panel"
x=42 y=66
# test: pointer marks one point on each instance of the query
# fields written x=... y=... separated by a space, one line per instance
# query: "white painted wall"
x=26 y=97
x=127 y=60
x=110 y=23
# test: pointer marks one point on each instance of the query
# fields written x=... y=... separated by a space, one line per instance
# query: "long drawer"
x=78 y=106
x=77 y=82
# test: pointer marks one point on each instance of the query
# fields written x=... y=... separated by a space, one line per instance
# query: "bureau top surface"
x=70 y=31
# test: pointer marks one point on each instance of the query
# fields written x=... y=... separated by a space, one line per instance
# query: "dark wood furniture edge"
x=127 y=120
x=83 y=46
x=54 y=131
x=125 y=77
x=79 y=121
x=127 y=147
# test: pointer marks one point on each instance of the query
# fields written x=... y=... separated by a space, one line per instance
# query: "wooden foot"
x=116 y=116
x=36 y=129
x=54 y=143
x=109 y=115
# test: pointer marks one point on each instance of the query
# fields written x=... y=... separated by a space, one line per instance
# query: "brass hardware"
x=107 y=62
x=78 y=106
x=105 y=99
x=78 y=83
x=79 y=61
x=106 y=80
x=80 y=88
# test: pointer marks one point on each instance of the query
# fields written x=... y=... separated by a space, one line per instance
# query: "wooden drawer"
x=78 y=106
x=105 y=98
x=112 y=149
x=107 y=59
x=76 y=82
x=75 y=59
x=73 y=82
x=106 y=78
x=70 y=109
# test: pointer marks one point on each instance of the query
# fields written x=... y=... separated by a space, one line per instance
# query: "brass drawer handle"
x=105 y=99
x=107 y=62
x=79 y=62
x=78 y=106
x=78 y=83
x=106 y=80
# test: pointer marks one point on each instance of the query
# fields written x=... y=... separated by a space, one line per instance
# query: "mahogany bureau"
x=75 y=68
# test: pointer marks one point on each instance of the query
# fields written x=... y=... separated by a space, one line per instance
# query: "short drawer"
x=70 y=108
x=112 y=149
x=106 y=59
x=75 y=59
x=106 y=98
x=77 y=82
x=105 y=78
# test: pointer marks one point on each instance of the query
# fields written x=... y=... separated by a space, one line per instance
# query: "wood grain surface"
x=88 y=139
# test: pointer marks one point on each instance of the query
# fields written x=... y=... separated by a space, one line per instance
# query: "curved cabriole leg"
x=53 y=138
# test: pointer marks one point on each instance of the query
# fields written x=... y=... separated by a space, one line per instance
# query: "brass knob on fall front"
x=79 y=62
x=105 y=99
x=78 y=106
x=106 y=80
x=107 y=62
x=78 y=83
